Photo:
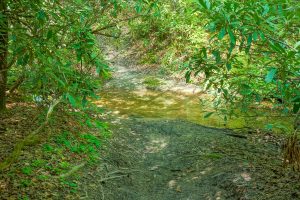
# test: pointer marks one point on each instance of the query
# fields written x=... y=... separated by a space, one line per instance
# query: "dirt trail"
x=155 y=158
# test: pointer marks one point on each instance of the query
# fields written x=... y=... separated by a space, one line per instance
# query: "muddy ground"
x=174 y=159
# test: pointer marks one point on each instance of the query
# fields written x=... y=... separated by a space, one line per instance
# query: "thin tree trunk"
x=16 y=85
x=3 y=54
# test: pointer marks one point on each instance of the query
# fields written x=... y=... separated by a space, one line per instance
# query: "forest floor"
x=161 y=147
x=156 y=153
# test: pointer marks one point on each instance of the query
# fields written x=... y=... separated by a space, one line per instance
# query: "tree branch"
x=97 y=30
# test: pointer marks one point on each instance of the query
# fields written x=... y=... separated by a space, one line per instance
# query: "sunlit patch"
x=246 y=176
x=218 y=195
x=172 y=184
x=206 y=171
x=156 y=145
x=144 y=92
x=171 y=105
x=154 y=168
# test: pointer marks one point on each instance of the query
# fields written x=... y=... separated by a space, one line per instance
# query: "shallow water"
x=127 y=95
x=170 y=105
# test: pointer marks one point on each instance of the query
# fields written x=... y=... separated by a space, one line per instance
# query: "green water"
x=170 y=105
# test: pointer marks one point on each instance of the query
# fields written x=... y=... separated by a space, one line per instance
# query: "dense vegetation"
x=247 y=52
x=244 y=53
x=50 y=47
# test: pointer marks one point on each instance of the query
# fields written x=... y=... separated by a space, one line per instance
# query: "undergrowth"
x=53 y=164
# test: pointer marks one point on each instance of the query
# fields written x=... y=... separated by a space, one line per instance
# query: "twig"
x=111 y=177
x=107 y=35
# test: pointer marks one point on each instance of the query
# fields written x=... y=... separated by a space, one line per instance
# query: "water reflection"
x=171 y=105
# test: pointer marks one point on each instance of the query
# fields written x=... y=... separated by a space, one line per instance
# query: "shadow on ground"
x=174 y=159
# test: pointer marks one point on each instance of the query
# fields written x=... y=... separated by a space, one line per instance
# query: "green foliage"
x=169 y=34
x=54 y=46
x=27 y=170
x=245 y=52
x=38 y=163
x=85 y=143
x=72 y=185
x=252 y=53
x=47 y=148
x=25 y=183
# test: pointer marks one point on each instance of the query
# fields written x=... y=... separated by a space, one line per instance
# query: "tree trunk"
x=3 y=54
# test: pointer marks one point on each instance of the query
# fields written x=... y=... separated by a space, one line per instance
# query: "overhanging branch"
x=111 y=25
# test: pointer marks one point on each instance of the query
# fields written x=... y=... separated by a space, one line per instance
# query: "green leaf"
x=49 y=34
x=208 y=4
x=270 y=76
x=269 y=126
x=207 y=115
x=296 y=99
x=71 y=99
x=231 y=35
x=41 y=15
x=217 y=56
x=222 y=33
x=204 y=53
x=205 y=4
x=249 y=43
x=296 y=108
x=211 y=26
x=276 y=46
x=255 y=36
x=245 y=89
x=188 y=76
x=84 y=101
x=27 y=170
x=297 y=45
x=201 y=3
x=249 y=40
x=266 y=9
x=138 y=7
x=58 y=79
x=262 y=35
x=228 y=66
